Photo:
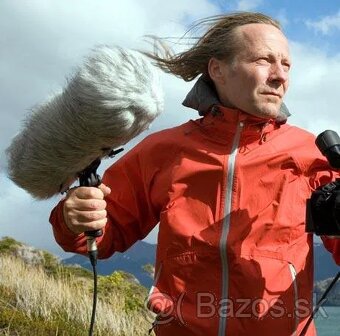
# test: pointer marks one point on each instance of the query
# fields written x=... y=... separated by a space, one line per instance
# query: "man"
x=229 y=191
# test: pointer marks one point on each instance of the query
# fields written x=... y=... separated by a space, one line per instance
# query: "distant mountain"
x=324 y=265
x=141 y=254
x=132 y=261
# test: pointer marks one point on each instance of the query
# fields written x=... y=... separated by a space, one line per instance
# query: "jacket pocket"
x=184 y=280
x=267 y=286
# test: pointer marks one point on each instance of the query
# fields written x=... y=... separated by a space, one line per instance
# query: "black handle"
x=89 y=178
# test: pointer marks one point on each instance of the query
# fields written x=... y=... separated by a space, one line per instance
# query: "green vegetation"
x=134 y=294
x=48 y=298
x=8 y=245
x=150 y=269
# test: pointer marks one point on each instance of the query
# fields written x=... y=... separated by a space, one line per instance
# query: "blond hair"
x=218 y=41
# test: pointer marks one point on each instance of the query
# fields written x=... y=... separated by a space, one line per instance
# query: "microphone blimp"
x=111 y=98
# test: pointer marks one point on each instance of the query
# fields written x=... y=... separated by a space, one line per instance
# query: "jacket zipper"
x=293 y=274
x=225 y=229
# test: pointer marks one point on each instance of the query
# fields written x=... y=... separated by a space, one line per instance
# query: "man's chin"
x=267 y=112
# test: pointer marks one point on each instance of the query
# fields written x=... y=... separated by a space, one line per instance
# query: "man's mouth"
x=272 y=94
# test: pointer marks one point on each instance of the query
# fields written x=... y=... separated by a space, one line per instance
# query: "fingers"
x=90 y=192
x=84 y=208
x=105 y=189
x=85 y=204
x=83 y=217
x=91 y=226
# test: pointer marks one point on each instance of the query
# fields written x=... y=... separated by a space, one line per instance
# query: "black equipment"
x=323 y=207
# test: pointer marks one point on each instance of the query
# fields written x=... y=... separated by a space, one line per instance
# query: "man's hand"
x=84 y=208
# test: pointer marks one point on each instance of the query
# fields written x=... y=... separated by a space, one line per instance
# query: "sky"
x=42 y=41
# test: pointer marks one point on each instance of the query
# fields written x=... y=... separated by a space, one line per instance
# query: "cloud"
x=48 y=39
x=42 y=41
x=24 y=218
x=326 y=24
x=313 y=93
x=248 y=5
x=283 y=18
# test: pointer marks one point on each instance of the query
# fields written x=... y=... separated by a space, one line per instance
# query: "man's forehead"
x=259 y=30
x=259 y=35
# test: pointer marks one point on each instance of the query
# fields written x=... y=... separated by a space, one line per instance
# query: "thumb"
x=105 y=189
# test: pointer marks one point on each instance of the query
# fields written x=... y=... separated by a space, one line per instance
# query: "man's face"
x=257 y=79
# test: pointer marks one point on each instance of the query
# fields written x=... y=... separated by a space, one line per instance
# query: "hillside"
x=41 y=297
x=140 y=254
x=333 y=298
x=137 y=260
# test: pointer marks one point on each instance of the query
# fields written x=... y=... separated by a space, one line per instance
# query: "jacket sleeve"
x=69 y=241
x=131 y=214
x=333 y=246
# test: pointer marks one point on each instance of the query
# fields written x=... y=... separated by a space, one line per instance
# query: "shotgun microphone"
x=112 y=97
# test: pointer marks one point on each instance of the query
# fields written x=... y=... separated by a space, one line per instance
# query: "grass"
x=51 y=299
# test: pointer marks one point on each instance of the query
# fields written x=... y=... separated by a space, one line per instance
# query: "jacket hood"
x=202 y=97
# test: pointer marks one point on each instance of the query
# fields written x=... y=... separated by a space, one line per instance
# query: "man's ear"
x=215 y=70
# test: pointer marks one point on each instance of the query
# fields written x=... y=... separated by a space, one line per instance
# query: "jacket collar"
x=203 y=97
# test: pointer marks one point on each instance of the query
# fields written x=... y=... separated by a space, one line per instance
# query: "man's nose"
x=279 y=72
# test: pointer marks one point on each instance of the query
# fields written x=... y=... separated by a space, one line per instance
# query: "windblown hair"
x=112 y=98
x=218 y=41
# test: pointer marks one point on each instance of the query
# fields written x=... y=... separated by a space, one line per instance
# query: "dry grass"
x=36 y=296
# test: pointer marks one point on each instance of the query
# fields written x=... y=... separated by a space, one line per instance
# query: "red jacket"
x=229 y=191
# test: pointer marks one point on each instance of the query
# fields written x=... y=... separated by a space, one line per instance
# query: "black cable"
x=89 y=178
x=319 y=303
x=93 y=259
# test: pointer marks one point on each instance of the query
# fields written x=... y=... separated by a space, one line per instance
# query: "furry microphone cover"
x=111 y=98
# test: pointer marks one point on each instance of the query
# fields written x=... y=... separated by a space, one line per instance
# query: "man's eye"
x=263 y=60
x=286 y=66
